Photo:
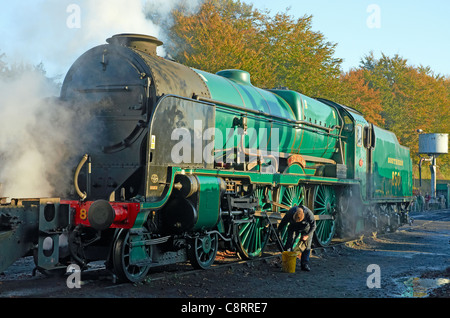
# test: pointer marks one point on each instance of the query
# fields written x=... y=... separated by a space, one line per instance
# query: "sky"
x=417 y=30
x=56 y=32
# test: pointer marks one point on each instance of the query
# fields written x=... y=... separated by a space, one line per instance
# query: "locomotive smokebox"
x=143 y=43
x=101 y=215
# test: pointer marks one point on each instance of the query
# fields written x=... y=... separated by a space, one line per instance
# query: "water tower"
x=432 y=145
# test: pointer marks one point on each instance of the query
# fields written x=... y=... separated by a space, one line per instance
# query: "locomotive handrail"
x=82 y=195
x=260 y=112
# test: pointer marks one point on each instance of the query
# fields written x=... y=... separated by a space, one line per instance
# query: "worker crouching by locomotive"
x=300 y=221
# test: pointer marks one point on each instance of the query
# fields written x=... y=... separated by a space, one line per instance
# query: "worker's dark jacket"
x=306 y=227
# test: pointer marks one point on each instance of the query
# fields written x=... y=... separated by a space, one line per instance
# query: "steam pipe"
x=82 y=195
x=433 y=177
x=278 y=118
x=420 y=171
x=433 y=161
x=242 y=149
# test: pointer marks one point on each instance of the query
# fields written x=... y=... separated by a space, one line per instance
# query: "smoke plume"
x=40 y=139
x=35 y=136
x=56 y=32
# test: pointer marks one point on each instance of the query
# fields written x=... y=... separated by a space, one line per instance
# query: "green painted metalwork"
x=254 y=177
x=209 y=203
x=312 y=142
x=301 y=124
x=360 y=154
x=262 y=195
x=324 y=205
x=253 y=232
x=376 y=161
x=127 y=258
x=247 y=117
x=141 y=218
x=274 y=179
x=252 y=235
x=290 y=196
x=203 y=250
x=392 y=167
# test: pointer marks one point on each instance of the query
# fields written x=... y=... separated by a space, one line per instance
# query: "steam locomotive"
x=188 y=163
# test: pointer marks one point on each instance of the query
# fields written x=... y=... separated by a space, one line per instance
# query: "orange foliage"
x=357 y=94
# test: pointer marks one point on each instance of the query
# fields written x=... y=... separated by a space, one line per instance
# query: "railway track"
x=181 y=280
x=24 y=269
x=232 y=260
x=271 y=253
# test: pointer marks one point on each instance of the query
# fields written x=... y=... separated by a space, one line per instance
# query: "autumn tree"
x=216 y=38
x=277 y=50
x=280 y=50
x=304 y=59
x=411 y=98
x=355 y=92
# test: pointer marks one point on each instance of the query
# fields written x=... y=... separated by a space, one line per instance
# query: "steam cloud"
x=36 y=137
x=40 y=138
x=56 y=32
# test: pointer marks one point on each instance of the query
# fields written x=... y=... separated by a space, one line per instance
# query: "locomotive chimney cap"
x=140 y=42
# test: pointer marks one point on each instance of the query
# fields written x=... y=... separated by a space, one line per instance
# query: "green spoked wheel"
x=324 y=209
x=289 y=196
x=262 y=195
x=253 y=232
x=202 y=250
x=252 y=235
x=123 y=264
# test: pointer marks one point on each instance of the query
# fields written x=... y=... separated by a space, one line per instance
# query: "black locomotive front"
x=114 y=88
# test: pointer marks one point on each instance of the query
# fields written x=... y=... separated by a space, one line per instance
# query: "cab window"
x=359 y=136
x=348 y=123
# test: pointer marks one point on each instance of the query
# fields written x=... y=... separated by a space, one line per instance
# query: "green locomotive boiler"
x=191 y=162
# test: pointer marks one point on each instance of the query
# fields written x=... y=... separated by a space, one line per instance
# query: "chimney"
x=140 y=42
